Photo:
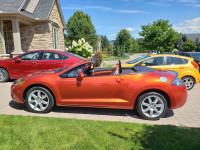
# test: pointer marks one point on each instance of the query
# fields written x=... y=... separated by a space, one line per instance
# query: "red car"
x=150 y=91
x=35 y=61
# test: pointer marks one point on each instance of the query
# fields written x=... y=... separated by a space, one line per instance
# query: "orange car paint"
x=110 y=91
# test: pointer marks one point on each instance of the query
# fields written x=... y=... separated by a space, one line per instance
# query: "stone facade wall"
x=56 y=17
x=34 y=37
x=40 y=36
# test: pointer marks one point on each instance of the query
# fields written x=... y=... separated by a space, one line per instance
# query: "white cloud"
x=193 y=3
x=126 y=11
x=188 y=26
x=113 y=35
x=130 y=29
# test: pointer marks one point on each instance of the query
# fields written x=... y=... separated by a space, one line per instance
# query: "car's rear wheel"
x=4 y=75
x=39 y=100
x=189 y=82
x=151 y=106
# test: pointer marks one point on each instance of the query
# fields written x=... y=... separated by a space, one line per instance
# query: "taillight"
x=195 y=65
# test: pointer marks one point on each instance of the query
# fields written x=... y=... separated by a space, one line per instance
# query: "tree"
x=133 y=46
x=80 y=26
x=189 y=46
x=122 y=42
x=159 y=36
x=105 y=42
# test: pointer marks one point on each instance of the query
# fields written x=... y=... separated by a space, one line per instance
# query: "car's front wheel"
x=189 y=82
x=4 y=75
x=39 y=100
x=151 y=106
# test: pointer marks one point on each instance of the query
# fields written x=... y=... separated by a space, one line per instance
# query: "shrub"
x=98 y=59
x=81 y=48
x=175 y=51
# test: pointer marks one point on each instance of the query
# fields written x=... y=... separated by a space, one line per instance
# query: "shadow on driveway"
x=92 y=111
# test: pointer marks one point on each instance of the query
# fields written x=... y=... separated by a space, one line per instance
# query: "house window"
x=55 y=30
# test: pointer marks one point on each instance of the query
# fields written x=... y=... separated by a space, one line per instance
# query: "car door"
x=91 y=91
x=153 y=62
x=50 y=60
x=175 y=64
x=27 y=64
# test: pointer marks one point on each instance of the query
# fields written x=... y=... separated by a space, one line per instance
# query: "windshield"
x=74 y=55
x=62 y=69
x=196 y=56
x=138 y=59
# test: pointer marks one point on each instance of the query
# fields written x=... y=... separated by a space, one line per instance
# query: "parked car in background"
x=151 y=92
x=169 y=53
x=34 y=61
x=186 y=68
x=195 y=55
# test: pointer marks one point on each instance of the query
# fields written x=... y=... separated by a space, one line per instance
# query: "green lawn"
x=115 y=58
x=108 y=66
x=32 y=133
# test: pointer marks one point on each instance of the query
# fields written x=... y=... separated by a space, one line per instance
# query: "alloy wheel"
x=2 y=75
x=38 y=100
x=152 y=106
x=189 y=82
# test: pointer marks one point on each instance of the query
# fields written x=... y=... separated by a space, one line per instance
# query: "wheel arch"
x=40 y=85
x=157 y=91
x=189 y=76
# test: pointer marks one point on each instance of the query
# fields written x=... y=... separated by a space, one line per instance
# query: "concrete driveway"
x=189 y=115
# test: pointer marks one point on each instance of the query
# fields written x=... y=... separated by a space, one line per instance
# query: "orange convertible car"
x=151 y=92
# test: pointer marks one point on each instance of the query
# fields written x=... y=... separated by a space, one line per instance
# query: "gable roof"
x=40 y=9
x=194 y=37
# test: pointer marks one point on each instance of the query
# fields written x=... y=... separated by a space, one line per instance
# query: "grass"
x=115 y=58
x=17 y=132
x=108 y=66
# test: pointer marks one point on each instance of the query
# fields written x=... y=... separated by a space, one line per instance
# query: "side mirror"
x=80 y=76
x=17 y=60
x=143 y=65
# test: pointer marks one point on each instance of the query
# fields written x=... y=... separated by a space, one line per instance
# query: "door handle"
x=118 y=80
x=181 y=67
x=58 y=62
x=33 y=62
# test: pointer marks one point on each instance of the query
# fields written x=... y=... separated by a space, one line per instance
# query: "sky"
x=110 y=16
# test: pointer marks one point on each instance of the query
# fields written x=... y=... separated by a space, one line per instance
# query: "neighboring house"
x=195 y=38
x=27 y=25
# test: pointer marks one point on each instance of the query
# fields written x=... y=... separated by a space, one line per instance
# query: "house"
x=27 y=25
x=195 y=38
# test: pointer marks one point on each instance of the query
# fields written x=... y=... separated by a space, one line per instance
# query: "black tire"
x=49 y=98
x=140 y=107
x=4 y=75
x=189 y=82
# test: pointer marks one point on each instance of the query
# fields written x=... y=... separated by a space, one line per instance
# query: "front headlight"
x=19 y=81
x=177 y=82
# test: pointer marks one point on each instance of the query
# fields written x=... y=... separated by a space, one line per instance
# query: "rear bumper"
x=178 y=96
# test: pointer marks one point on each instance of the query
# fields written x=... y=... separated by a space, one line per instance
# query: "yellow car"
x=186 y=68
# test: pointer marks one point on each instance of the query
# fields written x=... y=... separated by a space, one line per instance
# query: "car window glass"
x=154 y=61
x=30 y=56
x=73 y=73
x=174 y=61
x=51 y=56
x=64 y=57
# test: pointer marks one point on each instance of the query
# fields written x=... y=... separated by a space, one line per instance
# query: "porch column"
x=16 y=37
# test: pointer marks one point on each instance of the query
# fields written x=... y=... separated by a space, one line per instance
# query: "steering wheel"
x=120 y=67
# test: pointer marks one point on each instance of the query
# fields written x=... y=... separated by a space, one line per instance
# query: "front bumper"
x=17 y=93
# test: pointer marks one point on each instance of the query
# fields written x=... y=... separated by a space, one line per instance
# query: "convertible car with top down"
x=151 y=92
